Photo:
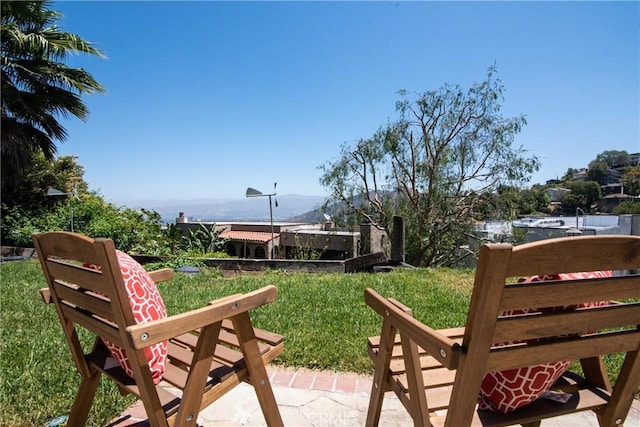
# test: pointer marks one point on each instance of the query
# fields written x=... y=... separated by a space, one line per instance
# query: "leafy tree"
x=28 y=197
x=175 y=240
x=534 y=200
x=598 y=171
x=135 y=231
x=631 y=180
x=614 y=158
x=30 y=192
x=501 y=204
x=583 y=195
x=26 y=208
x=37 y=86
x=568 y=175
x=431 y=166
x=509 y=202
x=627 y=207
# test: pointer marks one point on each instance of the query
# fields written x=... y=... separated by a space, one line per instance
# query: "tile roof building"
x=291 y=240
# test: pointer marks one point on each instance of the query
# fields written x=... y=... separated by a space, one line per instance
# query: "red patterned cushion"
x=147 y=305
x=505 y=391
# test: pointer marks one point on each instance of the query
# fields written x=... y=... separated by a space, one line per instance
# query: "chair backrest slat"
x=69 y=246
x=563 y=323
x=517 y=356
x=87 y=300
x=63 y=270
x=86 y=319
x=547 y=294
x=569 y=255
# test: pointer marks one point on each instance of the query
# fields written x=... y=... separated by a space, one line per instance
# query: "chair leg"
x=596 y=373
x=84 y=398
x=418 y=407
x=201 y=363
x=257 y=371
x=382 y=362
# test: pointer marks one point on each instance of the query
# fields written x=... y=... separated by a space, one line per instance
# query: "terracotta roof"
x=247 y=236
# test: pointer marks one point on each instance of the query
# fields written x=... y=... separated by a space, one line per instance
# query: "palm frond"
x=37 y=86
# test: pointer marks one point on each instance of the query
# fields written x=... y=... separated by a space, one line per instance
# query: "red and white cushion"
x=505 y=391
x=147 y=305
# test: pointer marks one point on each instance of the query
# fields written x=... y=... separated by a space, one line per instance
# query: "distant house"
x=290 y=240
x=581 y=175
x=557 y=194
x=613 y=176
x=609 y=202
x=615 y=188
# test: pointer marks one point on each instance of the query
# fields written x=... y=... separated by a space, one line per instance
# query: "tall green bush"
x=627 y=207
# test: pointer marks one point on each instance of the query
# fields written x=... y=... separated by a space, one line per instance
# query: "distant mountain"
x=313 y=216
x=248 y=209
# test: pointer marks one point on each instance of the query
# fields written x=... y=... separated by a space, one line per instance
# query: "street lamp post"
x=74 y=194
x=252 y=192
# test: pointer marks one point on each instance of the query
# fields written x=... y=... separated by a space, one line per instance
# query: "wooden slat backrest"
x=93 y=299
x=571 y=255
x=611 y=329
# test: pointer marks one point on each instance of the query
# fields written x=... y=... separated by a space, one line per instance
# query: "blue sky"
x=205 y=99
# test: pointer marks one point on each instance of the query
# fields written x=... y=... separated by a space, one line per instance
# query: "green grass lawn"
x=323 y=317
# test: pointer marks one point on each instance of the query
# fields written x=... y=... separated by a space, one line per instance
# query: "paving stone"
x=323 y=399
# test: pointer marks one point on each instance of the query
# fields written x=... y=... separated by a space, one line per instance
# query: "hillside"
x=291 y=207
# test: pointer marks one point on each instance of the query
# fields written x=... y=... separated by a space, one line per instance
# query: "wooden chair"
x=437 y=374
x=211 y=349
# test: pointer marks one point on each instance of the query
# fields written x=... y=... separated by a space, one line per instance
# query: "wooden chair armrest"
x=441 y=347
x=161 y=275
x=146 y=334
x=401 y=306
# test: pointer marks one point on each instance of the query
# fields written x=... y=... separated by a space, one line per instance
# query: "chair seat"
x=438 y=384
x=227 y=366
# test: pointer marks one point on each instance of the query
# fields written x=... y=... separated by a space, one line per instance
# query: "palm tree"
x=37 y=87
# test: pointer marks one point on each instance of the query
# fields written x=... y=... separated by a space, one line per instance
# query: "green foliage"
x=510 y=202
x=583 y=195
x=568 y=175
x=631 y=180
x=26 y=209
x=137 y=231
x=598 y=171
x=174 y=237
x=627 y=207
x=37 y=378
x=30 y=192
x=614 y=158
x=534 y=200
x=432 y=166
x=204 y=240
x=302 y=251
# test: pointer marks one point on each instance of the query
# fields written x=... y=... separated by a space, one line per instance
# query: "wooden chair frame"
x=211 y=349
x=437 y=373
